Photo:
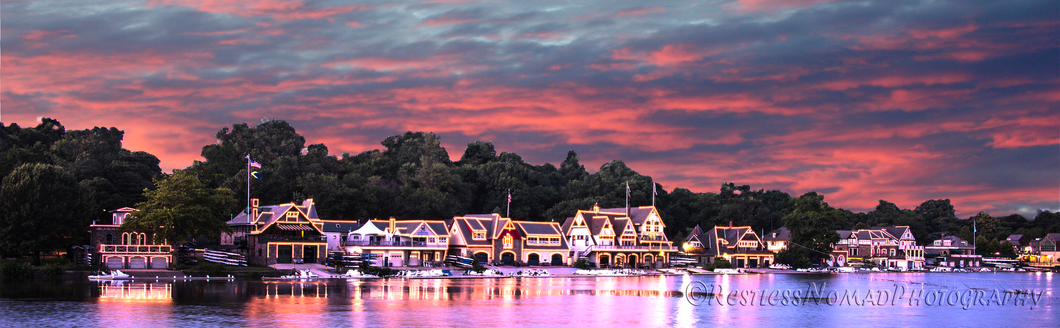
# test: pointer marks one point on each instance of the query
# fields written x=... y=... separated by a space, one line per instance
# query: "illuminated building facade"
x=619 y=237
x=116 y=249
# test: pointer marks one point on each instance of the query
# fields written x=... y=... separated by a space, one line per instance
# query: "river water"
x=923 y=299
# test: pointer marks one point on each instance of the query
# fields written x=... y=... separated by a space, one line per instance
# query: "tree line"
x=413 y=177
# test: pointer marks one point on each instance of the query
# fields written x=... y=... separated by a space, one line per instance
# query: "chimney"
x=730 y=224
x=253 y=210
x=596 y=207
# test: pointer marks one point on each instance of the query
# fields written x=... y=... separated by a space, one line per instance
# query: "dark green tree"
x=182 y=207
x=42 y=210
x=810 y=223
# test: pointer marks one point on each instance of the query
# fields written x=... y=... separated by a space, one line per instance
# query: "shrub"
x=16 y=271
x=584 y=264
x=77 y=267
x=214 y=269
x=377 y=271
x=52 y=270
x=477 y=267
x=721 y=263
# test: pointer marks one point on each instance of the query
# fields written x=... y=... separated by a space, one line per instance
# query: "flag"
x=628 y=193
x=509 y=196
x=253 y=163
x=653 y=191
x=255 y=174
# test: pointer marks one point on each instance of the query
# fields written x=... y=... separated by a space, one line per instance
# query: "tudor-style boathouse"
x=285 y=233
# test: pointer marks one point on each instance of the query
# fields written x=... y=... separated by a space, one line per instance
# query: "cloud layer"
x=897 y=100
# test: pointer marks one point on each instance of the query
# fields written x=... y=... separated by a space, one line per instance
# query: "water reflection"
x=450 y=290
x=554 y=301
x=135 y=291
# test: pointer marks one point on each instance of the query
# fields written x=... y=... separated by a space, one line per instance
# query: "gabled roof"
x=1014 y=240
x=270 y=214
x=637 y=214
x=567 y=224
x=896 y=231
x=623 y=226
x=722 y=239
x=696 y=232
x=596 y=225
x=780 y=234
x=468 y=224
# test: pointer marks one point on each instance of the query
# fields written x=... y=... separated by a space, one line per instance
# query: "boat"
x=357 y=274
x=226 y=258
x=845 y=270
x=729 y=271
x=814 y=270
x=113 y=275
x=611 y=272
x=299 y=275
x=779 y=266
x=487 y=273
x=530 y=273
x=414 y=274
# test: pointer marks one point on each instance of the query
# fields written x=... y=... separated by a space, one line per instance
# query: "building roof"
x=637 y=214
x=340 y=226
x=780 y=234
x=270 y=214
x=1015 y=240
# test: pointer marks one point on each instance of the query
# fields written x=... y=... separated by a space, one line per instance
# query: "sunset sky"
x=862 y=100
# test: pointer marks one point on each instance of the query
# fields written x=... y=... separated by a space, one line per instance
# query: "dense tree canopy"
x=412 y=177
x=42 y=208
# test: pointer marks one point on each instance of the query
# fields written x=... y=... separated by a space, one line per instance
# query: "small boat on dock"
x=531 y=273
x=357 y=274
x=113 y=275
x=298 y=275
x=487 y=273
x=611 y=273
x=729 y=271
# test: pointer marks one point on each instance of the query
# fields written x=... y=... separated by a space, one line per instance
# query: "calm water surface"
x=581 y=302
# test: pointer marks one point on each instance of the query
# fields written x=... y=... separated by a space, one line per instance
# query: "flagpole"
x=509 y=213
x=248 y=184
x=653 y=192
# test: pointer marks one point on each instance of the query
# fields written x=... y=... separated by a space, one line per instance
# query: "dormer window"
x=292 y=216
x=478 y=235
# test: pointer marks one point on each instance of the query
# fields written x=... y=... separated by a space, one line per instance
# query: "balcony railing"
x=310 y=239
x=137 y=249
x=620 y=248
x=380 y=243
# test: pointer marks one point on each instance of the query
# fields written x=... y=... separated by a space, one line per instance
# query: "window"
x=292 y=216
x=553 y=241
x=442 y=240
x=508 y=241
x=430 y=240
x=478 y=235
